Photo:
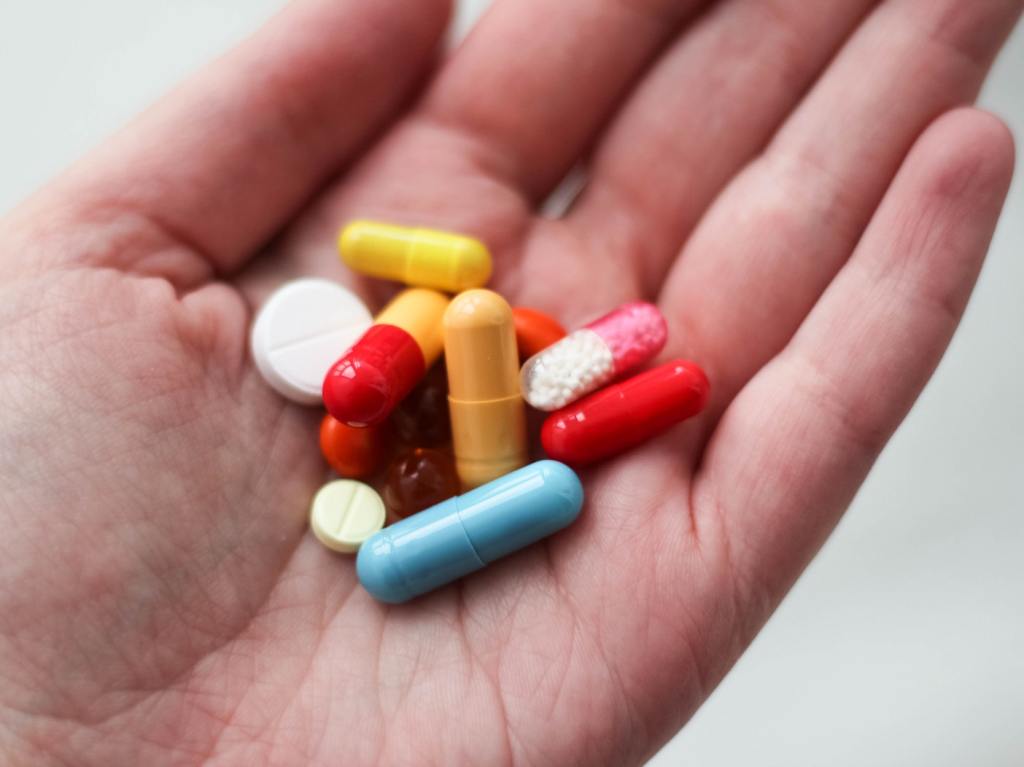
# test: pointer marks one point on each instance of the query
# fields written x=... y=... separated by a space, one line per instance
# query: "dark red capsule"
x=418 y=480
x=622 y=416
x=422 y=417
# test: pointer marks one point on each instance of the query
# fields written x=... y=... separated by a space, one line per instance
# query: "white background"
x=904 y=642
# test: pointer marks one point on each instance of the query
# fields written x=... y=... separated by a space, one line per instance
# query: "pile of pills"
x=421 y=432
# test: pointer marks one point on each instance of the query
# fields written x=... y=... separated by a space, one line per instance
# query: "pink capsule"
x=588 y=358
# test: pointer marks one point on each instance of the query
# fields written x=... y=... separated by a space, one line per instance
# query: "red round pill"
x=352 y=452
x=622 y=416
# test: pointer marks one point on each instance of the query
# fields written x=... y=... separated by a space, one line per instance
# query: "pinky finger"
x=795 y=445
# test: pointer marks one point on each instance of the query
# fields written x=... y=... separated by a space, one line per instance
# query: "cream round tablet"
x=301 y=330
x=345 y=513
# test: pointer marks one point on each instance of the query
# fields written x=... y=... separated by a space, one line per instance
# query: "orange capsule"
x=350 y=451
x=535 y=331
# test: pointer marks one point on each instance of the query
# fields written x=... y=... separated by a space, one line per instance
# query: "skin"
x=802 y=190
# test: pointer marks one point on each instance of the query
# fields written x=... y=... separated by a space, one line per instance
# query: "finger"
x=697 y=118
x=793 y=448
x=769 y=246
x=508 y=114
x=535 y=80
x=224 y=161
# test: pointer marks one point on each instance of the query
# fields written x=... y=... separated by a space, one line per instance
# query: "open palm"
x=785 y=178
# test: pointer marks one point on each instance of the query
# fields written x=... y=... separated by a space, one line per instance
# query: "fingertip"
x=971 y=151
x=431 y=17
x=998 y=145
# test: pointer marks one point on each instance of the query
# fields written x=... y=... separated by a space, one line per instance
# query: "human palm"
x=786 y=183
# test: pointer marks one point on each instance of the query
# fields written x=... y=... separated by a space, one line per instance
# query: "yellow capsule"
x=487 y=410
x=423 y=257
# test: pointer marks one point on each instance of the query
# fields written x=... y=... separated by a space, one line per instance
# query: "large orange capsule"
x=622 y=416
x=487 y=411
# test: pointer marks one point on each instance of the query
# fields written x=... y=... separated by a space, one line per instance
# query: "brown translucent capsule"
x=418 y=480
x=422 y=418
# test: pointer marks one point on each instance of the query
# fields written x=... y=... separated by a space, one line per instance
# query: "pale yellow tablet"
x=345 y=513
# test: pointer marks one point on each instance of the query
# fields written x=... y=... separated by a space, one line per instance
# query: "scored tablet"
x=301 y=330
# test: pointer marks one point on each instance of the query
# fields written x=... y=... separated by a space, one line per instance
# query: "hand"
x=786 y=179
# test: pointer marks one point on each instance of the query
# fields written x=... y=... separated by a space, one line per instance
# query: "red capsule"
x=365 y=385
x=622 y=416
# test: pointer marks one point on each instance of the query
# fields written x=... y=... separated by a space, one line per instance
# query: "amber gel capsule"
x=422 y=418
x=418 y=480
x=487 y=410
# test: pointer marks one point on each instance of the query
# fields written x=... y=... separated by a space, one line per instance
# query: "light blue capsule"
x=463 y=534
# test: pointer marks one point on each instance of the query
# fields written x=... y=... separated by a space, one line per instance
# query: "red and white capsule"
x=588 y=358
x=625 y=415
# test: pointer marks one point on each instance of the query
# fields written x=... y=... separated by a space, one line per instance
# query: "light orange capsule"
x=487 y=411
x=535 y=331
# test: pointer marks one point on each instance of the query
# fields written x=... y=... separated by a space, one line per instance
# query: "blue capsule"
x=468 y=532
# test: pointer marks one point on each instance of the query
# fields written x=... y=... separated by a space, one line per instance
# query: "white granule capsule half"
x=565 y=371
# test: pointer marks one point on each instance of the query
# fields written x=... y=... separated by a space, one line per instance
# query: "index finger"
x=216 y=168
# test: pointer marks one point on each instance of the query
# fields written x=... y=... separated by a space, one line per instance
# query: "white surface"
x=902 y=643
x=567 y=370
x=302 y=329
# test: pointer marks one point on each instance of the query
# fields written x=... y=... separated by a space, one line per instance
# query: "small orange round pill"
x=535 y=331
x=350 y=451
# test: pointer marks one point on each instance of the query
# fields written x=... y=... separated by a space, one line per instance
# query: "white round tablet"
x=345 y=513
x=301 y=330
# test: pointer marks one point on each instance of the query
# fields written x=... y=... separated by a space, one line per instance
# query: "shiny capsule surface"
x=382 y=367
x=535 y=331
x=468 y=532
x=419 y=479
x=588 y=358
x=622 y=416
x=425 y=257
x=487 y=412
x=352 y=452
